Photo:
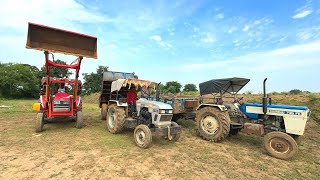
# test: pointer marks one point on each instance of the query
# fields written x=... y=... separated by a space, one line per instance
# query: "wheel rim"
x=111 y=119
x=279 y=145
x=140 y=136
x=210 y=125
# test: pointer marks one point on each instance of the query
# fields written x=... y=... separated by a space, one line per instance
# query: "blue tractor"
x=219 y=113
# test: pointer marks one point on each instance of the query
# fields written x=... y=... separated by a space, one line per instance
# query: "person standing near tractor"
x=132 y=98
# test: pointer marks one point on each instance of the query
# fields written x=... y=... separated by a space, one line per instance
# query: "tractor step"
x=131 y=122
x=234 y=125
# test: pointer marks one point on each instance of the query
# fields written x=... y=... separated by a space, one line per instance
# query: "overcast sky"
x=186 y=41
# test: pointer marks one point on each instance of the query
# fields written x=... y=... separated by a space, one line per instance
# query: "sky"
x=181 y=40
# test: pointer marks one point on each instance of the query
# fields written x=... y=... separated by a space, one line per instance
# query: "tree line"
x=24 y=80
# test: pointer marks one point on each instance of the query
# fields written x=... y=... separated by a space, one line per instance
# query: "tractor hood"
x=62 y=96
x=156 y=104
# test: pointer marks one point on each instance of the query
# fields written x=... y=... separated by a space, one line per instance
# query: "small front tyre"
x=79 y=121
x=143 y=136
x=280 y=145
x=39 y=122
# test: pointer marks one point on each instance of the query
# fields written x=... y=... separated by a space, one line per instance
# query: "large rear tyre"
x=79 y=121
x=115 y=119
x=143 y=136
x=212 y=124
x=280 y=145
x=175 y=137
x=39 y=122
x=104 y=111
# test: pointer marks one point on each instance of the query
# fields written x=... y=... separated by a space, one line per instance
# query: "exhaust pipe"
x=264 y=99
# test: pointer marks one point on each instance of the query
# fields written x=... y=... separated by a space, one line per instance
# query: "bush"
x=295 y=91
x=312 y=98
x=248 y=92
x=191 y=93
x=253 y=100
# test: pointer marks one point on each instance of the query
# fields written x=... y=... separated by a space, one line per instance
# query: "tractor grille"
x=61 y=105
x=165 y=117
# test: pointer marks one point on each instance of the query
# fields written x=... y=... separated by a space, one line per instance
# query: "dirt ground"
x=64 y=152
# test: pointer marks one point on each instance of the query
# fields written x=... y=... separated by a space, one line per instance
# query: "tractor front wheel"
x=280 y=145
x=104 y=110
x=115 y=119
x=79 y=121
x=212 y=124
x=143 y=136
x=39 y=122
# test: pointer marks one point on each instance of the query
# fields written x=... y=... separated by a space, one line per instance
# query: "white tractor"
x=125 y=110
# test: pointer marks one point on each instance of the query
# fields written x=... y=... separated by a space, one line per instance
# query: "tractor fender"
x=79 y=103
x=43 y=102
x=220 y=107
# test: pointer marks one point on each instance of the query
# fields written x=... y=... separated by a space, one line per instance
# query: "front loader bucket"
x=51 y=39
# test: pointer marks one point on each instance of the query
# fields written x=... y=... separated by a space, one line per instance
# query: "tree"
x=162 y=89
x=57 y=72
x=189 y=87
x=93 y=81
x=19 y=80
x=172 y=87
x=295 y=91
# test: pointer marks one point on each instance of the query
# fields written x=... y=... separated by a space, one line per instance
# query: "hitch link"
x=169 y=134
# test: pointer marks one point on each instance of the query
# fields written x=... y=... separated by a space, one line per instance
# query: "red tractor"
x=57 y=102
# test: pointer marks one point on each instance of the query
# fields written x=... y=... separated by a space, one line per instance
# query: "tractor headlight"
x=165 y=111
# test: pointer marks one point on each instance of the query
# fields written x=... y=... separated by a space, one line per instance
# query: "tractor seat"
x=123 y=100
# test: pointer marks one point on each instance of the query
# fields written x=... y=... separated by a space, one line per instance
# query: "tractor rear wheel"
x=280 y=145
x=79 y=121
x=212 y=124
x=143 y=136
x=39 y=122
x=115 y=119
x=104 y=110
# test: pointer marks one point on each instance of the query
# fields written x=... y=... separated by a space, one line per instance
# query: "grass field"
x=64 y=152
